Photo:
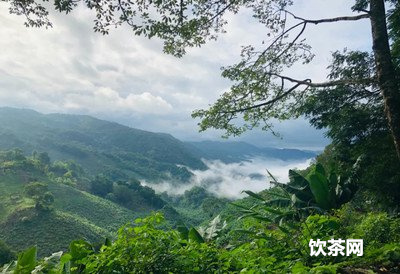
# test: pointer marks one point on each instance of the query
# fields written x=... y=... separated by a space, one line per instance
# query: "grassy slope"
x=76 y=215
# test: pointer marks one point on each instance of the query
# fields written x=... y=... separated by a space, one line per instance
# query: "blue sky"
x=127 y=79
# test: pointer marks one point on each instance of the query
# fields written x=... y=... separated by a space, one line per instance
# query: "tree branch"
x=270 y=102
x=309 y=83
x=306 y=82
x=330 y=20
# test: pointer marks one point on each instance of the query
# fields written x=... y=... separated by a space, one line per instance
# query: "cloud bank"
x=229 y=180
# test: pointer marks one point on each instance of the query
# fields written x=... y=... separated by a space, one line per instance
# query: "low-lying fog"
x=229 y=180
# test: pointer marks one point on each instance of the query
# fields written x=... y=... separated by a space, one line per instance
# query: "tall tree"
x=260 y=89
x=386 y=74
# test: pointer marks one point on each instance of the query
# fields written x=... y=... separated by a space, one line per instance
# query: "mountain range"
x=101 y=146
x=99 y=190
x=230 y=152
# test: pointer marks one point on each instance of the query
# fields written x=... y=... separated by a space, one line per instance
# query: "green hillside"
x=97 y=145
x=70 y=214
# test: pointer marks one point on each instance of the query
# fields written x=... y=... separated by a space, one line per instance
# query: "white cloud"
x=230 y=180
x=108 y=99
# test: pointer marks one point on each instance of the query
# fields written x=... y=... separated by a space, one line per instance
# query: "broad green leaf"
x=320 y=190
x=239 y=206
x=297 y=179
x=195 y=236
x=254 y=195
x=26 y=261
x=79 y=249
x=65 y=258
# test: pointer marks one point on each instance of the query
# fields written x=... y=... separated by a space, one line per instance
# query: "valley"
x=97 y=171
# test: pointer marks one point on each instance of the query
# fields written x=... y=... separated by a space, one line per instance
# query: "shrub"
x=375 y=229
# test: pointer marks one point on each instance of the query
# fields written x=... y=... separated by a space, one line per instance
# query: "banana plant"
x=27 y=262
x=301 y=196
x=203 y=234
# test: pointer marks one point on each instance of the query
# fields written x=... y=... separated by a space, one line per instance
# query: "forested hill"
x=229 y=152
x=97 y=145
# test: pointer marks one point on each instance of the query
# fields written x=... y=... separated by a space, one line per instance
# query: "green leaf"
x=320 y=190
x=26 y=261
x=262 y=218
x=240 y=206
x=277 y=202
x=283 y=229
x=65 y=258
x=297 y=179
x=254 y=195
x=195 y=236
x=80 y=249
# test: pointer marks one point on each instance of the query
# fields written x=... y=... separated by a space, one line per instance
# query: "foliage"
x=132 y=194
x=378 y=229
x=196 y=205
x=352 y=115
x=374 y=160
x=141 y=247
x=101 y=186
x=302 y=196
x=212 y=206
x=213 y=230
x=145 y=249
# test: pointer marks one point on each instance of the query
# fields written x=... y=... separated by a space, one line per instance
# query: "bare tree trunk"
x=388 y=84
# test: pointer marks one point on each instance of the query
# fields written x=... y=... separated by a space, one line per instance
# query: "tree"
x=101 y=186
x=260 y=91
x=40 y=194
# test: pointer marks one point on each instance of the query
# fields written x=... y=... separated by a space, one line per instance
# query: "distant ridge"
x=229 y=152
x=98 y=145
